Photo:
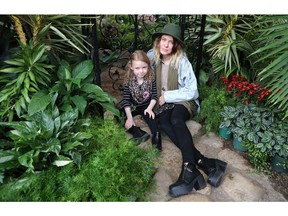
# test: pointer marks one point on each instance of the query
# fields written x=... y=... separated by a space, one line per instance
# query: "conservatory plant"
x=279 y=160
x=260 y=128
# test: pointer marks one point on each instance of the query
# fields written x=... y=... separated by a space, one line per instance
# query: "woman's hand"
x=150 y=113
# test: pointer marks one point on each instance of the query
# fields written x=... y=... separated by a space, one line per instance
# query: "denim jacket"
x=187 y=83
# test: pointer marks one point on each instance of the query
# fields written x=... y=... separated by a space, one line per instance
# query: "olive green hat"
x=172 y=30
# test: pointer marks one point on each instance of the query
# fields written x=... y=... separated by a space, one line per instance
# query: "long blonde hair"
x=138 y=55
x=176 y=54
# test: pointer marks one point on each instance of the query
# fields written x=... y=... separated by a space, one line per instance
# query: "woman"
x=140 y=97
x=178 y=93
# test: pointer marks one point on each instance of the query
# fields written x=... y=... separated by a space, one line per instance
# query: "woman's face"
x=166 y=44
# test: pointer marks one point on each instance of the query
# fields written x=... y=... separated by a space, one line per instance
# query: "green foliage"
x=273 y=38
x=45 y=138
x=62 y=34
x=114 y=170
x=261 y=128
x=229 y=40
x=75 y=88
x=260 y=160
x=24 y=74
x=214 y=98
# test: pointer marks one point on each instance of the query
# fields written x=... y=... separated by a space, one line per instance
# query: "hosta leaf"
x=82 y=70
x=20 y=126
x=70 y=145
x=63 y=69
x=57 y=124
x=26 y=159
x=39 y=102
x=80 y=102
x=77 y=158
x=110 y=107
x=62 y=161
x=47 y=125
x=81 y=136
x=8 y=159
x=7 y=155
x=52 y=145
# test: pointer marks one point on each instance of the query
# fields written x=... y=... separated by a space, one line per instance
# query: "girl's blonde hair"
x=138 y=55
x=176 y=54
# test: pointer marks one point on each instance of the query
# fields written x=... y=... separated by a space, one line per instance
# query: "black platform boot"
x=138 y=135
x=214 y=168
x=156 y=141
x=189 y=178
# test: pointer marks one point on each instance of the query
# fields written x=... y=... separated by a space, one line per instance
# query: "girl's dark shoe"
x=189 y=178
x=138 y=135
x=214 y=168
x=156 y=141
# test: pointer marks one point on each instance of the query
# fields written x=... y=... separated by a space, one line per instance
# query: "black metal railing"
x=114 y=37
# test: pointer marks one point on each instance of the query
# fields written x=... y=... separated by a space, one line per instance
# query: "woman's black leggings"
x=173 y=123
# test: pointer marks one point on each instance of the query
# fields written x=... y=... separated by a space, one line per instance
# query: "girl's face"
x=166 y=44
x=139 y=68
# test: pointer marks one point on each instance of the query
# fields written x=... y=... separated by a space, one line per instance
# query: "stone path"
x=240 y=182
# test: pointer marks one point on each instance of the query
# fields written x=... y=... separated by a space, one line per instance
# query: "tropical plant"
x=76 y=89
x=273 y=50
x=114 y=170
x=61 y=34
x=25 y=73
x=43 y=139
x=229 y=40
x=42 y=39
x=47 y=135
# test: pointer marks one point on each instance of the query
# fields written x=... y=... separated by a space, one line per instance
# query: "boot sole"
x=215 y=178
x=144 y=138
x=198 y=183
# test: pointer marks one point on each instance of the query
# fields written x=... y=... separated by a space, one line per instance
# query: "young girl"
x=140 y=97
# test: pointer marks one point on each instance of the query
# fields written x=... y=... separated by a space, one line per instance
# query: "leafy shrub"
x=214 y=98
x=260 y=160
x=114 y=170
x=43 y=139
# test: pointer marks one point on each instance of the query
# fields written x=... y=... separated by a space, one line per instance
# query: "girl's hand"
x=129 y=123
x=150 y=113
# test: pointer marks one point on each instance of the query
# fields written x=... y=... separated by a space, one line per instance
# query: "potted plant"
x=249 y=122
x=263 y=129
x=229 y=116
x=279 y=160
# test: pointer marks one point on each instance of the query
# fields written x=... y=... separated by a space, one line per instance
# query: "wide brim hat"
x=172 y=30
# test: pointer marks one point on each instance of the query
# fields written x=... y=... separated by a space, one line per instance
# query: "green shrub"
x=213 y=99
x=260 y=160
x=114 y=170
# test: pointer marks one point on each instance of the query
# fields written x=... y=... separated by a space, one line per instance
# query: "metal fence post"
x=199 y=53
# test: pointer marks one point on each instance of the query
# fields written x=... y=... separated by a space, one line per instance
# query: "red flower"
x=244 y=90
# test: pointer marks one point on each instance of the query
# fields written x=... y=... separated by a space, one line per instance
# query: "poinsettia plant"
x=245 y=91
